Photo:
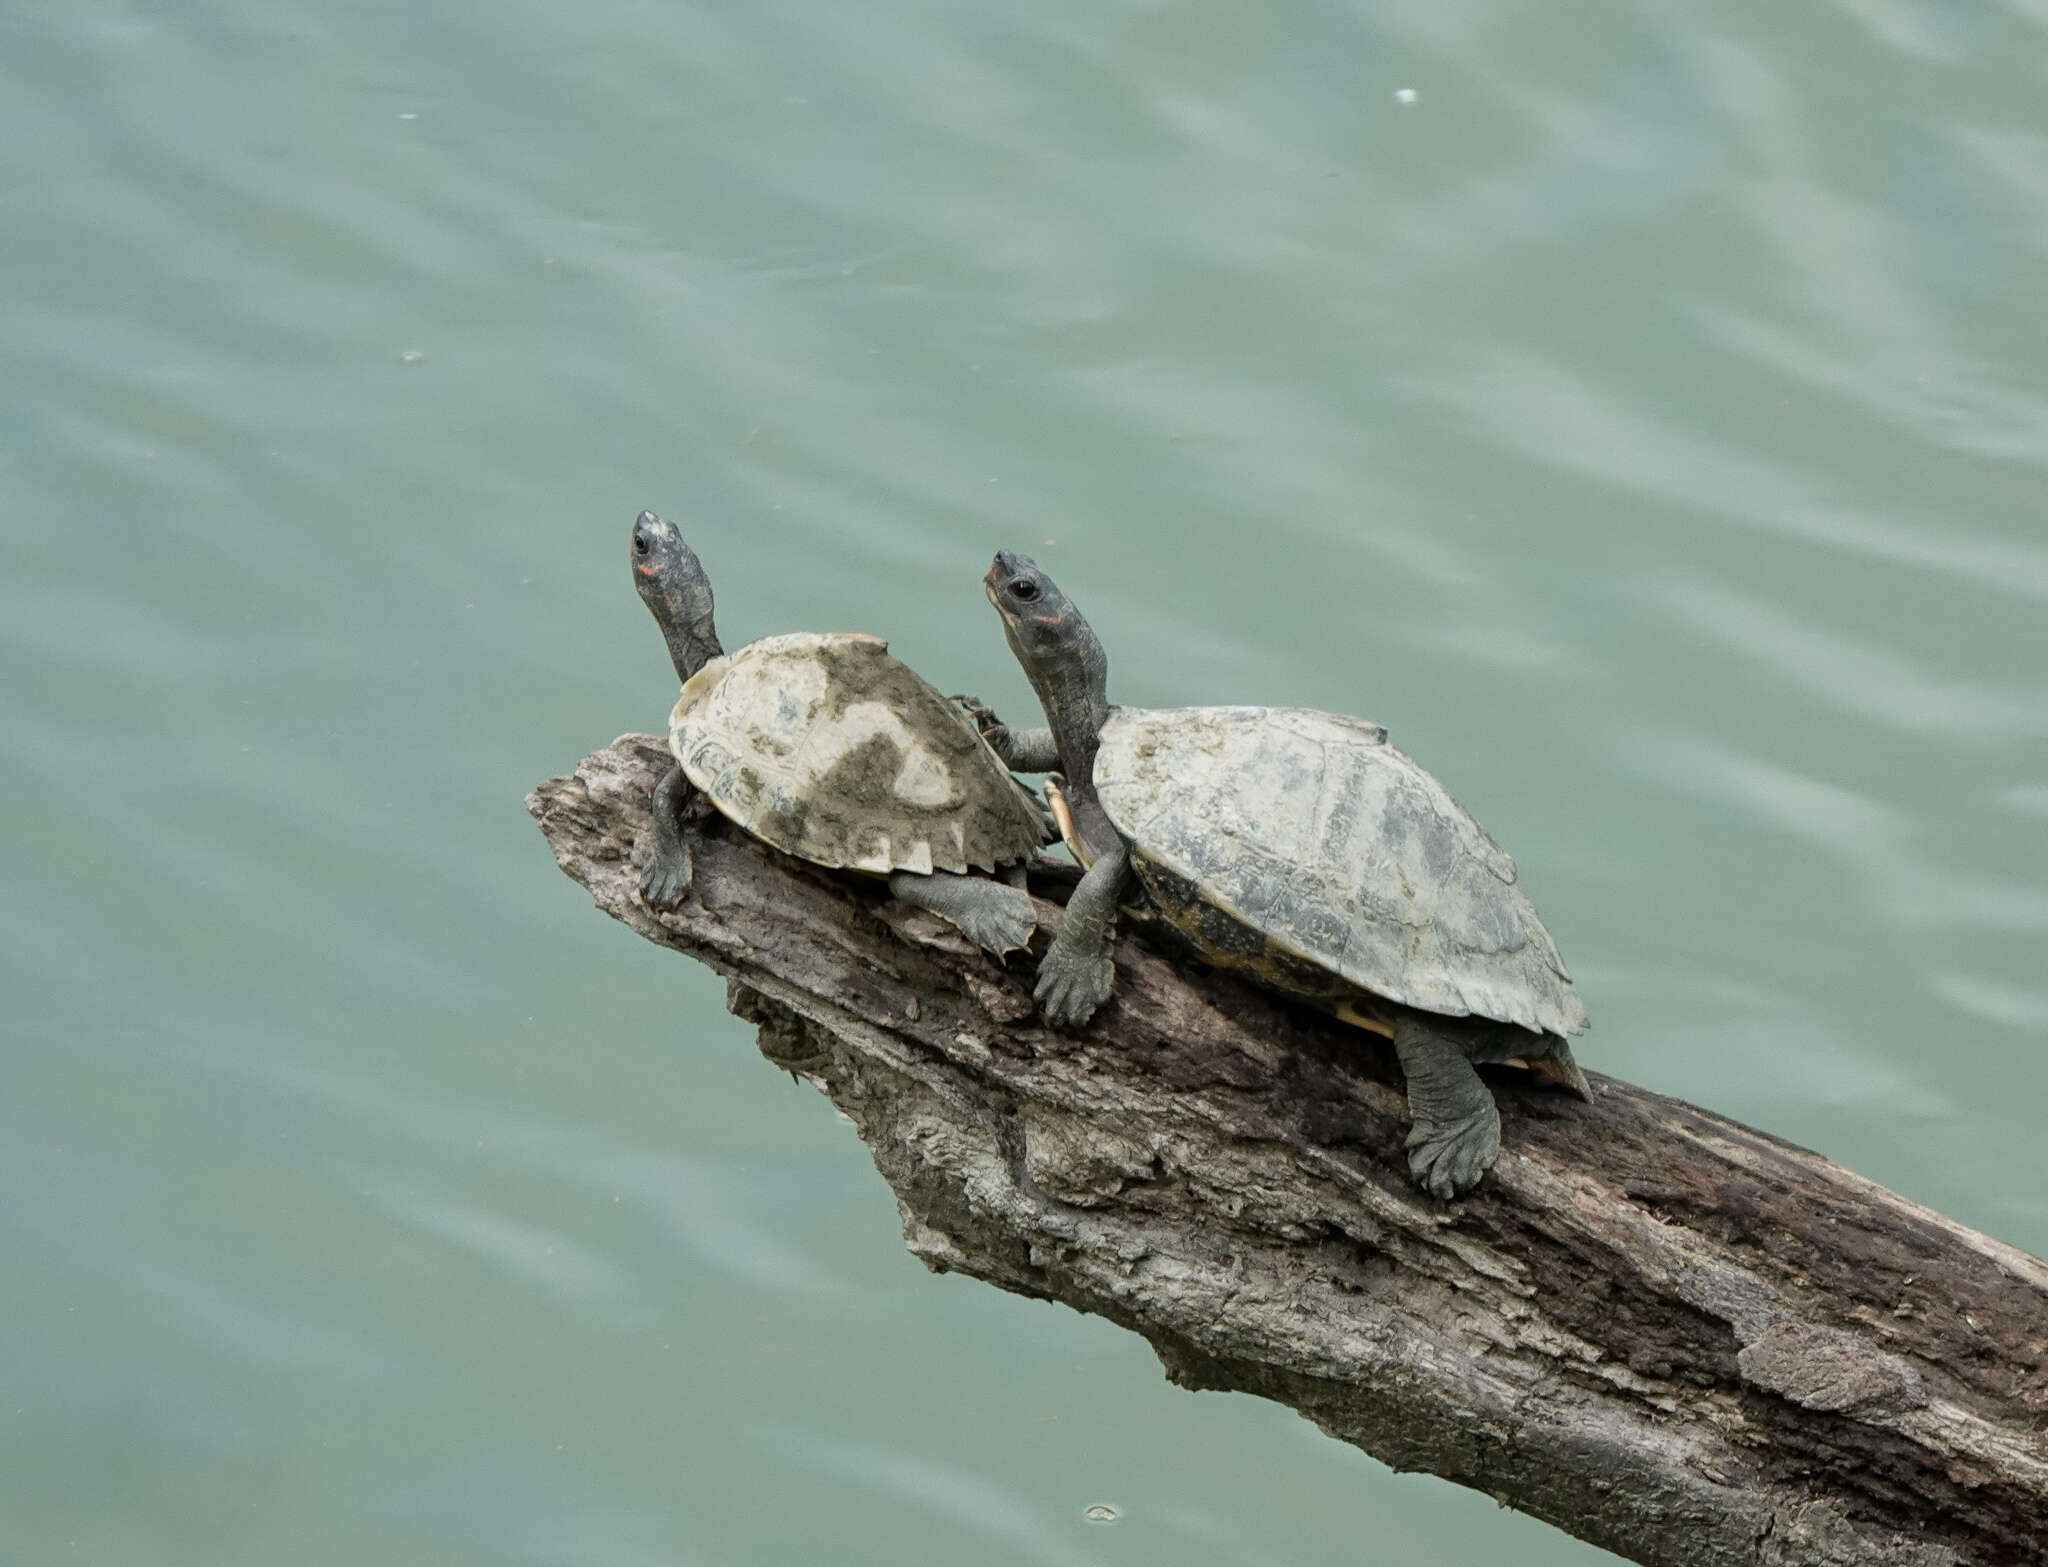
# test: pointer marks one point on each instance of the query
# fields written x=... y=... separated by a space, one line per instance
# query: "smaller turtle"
x=825 y=747
x=1303 y=851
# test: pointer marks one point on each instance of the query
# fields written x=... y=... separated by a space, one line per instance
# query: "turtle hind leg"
x=1456 y=1136
x=996 y=917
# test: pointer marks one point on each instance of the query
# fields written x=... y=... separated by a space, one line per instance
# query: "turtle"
x=828 y=748
x=1302 y=850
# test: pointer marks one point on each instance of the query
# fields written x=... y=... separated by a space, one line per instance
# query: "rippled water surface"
x=1648 y=422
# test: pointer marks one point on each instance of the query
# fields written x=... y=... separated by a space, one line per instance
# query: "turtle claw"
x=1072 y=985
x=996 y=916
x=1447 y=1158
x=666 y=880
x=984 y=717
x=1002 y=928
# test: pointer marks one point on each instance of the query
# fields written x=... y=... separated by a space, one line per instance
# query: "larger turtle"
x=1300 y=849
x=827 y=748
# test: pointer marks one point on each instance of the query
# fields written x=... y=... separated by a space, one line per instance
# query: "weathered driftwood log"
x=1663 y=1332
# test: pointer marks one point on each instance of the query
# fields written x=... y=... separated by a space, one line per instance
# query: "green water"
x=1647 y=422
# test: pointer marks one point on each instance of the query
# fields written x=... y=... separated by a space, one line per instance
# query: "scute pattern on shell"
x=1311 y=830
x=824 y=746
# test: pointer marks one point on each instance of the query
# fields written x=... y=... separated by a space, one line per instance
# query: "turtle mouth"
x=993 y=581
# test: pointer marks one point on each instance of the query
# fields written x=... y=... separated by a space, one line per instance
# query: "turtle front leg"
x=1077 y=974
x=1456 y=1137
x=1020 y=750
x=995 y=916
x=669 y=868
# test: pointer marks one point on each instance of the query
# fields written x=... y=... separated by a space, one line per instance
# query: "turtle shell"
x=826 y=747
x=1282 y=839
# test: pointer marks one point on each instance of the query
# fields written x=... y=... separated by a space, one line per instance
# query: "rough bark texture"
x=1661 y=1331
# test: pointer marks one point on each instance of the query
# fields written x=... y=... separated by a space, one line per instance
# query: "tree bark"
x=1661 y=1331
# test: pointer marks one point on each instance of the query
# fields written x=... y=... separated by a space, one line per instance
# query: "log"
x=1661 y=1331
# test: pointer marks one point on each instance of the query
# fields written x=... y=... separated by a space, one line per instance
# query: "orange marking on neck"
x=648 y=570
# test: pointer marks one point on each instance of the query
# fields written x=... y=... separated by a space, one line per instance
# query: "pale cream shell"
x=1310 y=829
x=824 y=746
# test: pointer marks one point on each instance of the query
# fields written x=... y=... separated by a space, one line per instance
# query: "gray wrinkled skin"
x=1311 y=829
x=1302 y=851
x=824 y=746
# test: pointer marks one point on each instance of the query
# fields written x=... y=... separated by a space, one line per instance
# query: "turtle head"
x=1039 y=621
x=1061 y=657
x=673 y=586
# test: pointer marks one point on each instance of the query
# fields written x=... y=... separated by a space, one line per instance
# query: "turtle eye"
x=640 y=545
x=1024 y=588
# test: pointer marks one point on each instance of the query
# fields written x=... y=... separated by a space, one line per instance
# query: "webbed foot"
x=1447 y=1158
x=1000 y=926
x=983 y=715
x=995 y=915
x=1456 y=1137
x=1071 y=985
x=667 y=878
